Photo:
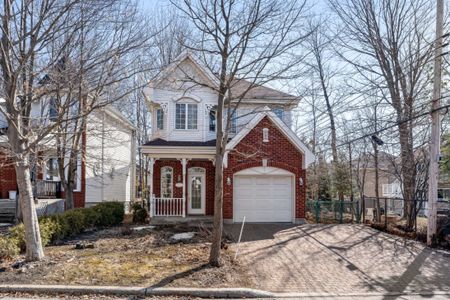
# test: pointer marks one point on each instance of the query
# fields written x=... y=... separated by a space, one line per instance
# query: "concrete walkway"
x=339 y=259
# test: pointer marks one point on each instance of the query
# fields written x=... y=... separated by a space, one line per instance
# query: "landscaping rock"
x=139 y=228
x=17 y=264
x=81 y=246
x=184 y=236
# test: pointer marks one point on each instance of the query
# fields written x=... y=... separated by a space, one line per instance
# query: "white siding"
x=177 y=87
x=109 y=160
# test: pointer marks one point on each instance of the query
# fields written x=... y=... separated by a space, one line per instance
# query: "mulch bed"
x=125 y=257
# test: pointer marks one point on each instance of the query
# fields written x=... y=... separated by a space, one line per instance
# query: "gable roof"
x=309 y=157
x=186 y=55
x=256 y=91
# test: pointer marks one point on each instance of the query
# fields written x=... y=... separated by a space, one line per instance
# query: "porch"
x=180 y=183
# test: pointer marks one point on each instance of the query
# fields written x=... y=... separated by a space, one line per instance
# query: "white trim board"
x=309 y=157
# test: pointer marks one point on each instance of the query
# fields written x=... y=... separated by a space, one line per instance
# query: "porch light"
x=300 y=181
x=228 y=181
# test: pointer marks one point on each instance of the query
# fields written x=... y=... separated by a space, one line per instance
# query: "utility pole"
x=435 y=127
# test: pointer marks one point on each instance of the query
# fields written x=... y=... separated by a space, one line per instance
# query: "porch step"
x=188 y=220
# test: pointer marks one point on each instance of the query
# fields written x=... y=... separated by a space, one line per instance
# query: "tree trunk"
x=408 y=173
x=214 y=256
x=68 y=193
x=377 y=183
x=32 y=235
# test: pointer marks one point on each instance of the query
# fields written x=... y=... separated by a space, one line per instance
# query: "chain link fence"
x=382 y=213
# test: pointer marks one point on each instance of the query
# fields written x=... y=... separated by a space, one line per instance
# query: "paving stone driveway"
x=315 y=258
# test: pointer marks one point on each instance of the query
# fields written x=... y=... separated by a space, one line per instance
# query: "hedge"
x=67 y=224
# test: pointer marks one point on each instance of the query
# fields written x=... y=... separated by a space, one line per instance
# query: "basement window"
x=265 y=135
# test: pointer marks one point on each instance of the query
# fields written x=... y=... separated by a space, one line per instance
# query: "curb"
x=194 y=292
x=142 y=291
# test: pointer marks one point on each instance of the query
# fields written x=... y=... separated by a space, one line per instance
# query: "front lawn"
x=147 y=257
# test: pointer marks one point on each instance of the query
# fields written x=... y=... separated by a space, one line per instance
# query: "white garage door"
x=263 y=198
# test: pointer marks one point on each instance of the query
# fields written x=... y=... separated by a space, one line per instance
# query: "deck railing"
x=47 y=189
x=167 y=207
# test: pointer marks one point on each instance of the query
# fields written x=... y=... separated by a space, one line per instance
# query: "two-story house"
x=105 y=166
x=265 y=164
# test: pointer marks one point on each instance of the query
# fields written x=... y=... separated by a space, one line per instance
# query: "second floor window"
x=53 y=110
x=212 y=120
x=159 y=119
x=233 y=120
x=186 y=116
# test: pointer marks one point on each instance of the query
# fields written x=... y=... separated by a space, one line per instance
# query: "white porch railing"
x=167 y=207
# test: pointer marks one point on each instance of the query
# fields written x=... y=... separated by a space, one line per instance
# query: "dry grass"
x=144 y=258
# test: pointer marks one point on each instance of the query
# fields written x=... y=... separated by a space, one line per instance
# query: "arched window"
x=166 y=182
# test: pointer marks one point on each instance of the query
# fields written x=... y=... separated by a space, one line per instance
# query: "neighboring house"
x=106 y=167
x=265 y=165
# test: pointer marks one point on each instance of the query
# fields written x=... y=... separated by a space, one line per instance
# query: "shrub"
x=110 y=213
x=69 y=223
x=140 y=214
x=8 y=247
x=47 y=228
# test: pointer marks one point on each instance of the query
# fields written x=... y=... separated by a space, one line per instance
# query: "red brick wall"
x=177 y=173
x=279 y=153
x=8 y=180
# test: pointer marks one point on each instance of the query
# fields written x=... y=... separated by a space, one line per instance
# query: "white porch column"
x=183 y=164
x=151 y=200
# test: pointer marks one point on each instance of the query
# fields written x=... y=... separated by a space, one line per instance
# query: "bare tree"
x=37 y=42
x=100 y=63
x=390 y=41
x=245 y=43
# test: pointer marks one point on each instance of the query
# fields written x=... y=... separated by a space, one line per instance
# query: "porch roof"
x=164 y=143
x=160 y=148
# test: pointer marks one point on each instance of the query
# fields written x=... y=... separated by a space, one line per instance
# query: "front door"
x=196 y=191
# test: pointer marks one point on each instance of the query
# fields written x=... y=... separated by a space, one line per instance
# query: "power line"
x=446 y=107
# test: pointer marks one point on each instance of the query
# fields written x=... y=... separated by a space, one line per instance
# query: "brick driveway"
x=316 y=258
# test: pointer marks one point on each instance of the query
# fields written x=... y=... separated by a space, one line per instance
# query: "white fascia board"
x=177 y=152
x=119 y=117
x=185 y=55
x=309 y=157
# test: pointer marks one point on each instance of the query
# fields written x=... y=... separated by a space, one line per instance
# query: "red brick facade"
x=8 y=181
x=249 y=153
x=177 y=177
x=279 y=152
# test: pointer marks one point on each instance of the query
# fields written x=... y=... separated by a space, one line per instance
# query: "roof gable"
x=186 y=64
x=309 y=157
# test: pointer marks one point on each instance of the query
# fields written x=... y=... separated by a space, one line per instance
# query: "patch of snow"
x=5 y=224
x=143 y=228
x=183 y=236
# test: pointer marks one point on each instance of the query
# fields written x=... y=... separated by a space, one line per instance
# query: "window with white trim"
x=166 y=182
x=186 y=116
x=51 y=169
x=265 y=135
x=212 y=120
x=53 y=110
x=159 y=119
x=233 y=120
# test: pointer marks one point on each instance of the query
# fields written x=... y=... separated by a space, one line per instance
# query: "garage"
x=263 y=197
